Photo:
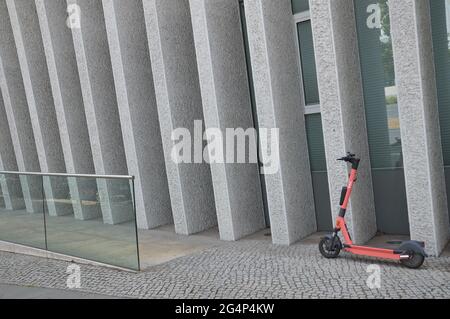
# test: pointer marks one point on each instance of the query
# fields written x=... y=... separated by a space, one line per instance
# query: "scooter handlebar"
x=347 y=158
x=351 y=158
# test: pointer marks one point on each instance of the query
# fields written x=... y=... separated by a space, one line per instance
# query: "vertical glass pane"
x=2 y=200
x=380 y=91
x=319 y=172
x=300 y=6
x=94 y=221
x=440 y=22
x=308 y=63
x=22 y=216
x=383 y=125
x=315 y=142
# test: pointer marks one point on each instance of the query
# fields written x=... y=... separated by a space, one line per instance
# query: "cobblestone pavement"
x=248 y=269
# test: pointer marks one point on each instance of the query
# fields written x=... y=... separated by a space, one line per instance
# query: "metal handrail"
x=128 y=177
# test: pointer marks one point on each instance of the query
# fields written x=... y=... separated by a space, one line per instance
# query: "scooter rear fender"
x=412 y=245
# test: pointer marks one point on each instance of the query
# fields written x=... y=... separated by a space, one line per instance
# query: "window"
x=316 y=143
x=440 y=19
x=380 y=91
x=319 y=174
x=307 y=59
x=306 y=50
x=313 y=119
x=440 y=23
x=300 y=6
x=383 y=124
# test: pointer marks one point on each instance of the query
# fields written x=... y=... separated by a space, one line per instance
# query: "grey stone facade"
x=30 y=50
x=99 y=97
x=421 y=141
x=68 y=100
x=343 y=117
x=10 y=189
x=178 y=97
x=278 y=100
x=16 y=107
x=105 y=96
x=226 y=103
x=130 y=58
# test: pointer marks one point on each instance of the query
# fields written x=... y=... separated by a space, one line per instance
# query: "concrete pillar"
x=131 y=65
x=25 y=26
x=9 y=187
x=279 y=105
x=419 y=123
x=227 y=104
x=67 y=96
x=99 y=96
x=342 y=110
x=179 y=102
x=17 y=113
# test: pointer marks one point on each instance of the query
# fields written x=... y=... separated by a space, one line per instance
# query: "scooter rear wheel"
x=415 y=261
x=327 y=251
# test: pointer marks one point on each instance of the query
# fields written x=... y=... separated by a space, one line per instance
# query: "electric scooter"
x=410 y=253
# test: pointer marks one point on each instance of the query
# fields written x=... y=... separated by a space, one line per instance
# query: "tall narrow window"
x=313 y=118
x=440 y=22
x=302 y=21
x=319 y=174
x=383 y=124
x=306 y=47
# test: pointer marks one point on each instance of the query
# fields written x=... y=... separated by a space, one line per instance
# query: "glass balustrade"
x=87 y=217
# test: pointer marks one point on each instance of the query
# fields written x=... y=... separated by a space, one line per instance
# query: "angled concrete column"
x=279 y=105
x=9 y=187
x=18 y=115
x=177 y=88
x=342 y=109
x=130 y=57
x=25 y=25
x=68 y=100
x=419 y=122
x=226 y=104
x=99 y=96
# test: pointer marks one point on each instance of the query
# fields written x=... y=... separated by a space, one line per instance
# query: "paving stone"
x=246 y=269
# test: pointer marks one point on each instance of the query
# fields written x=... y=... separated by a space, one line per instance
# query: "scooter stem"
x=351 y=182
x=340 y=223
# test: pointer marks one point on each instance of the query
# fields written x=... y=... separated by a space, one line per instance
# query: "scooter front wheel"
x=327 y=251
x=414 y=261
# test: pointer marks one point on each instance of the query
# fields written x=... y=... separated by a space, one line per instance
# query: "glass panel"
x=315 y=143
x=383 y=125
x=440 y=19
x=319 y=172
x=380 y=91
x=390 y=201
x=440 y=22
x=322 y=201
x=22 y=216
x=2 y=200
x=94 y=221
x=308 y=63
x=300 y=6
